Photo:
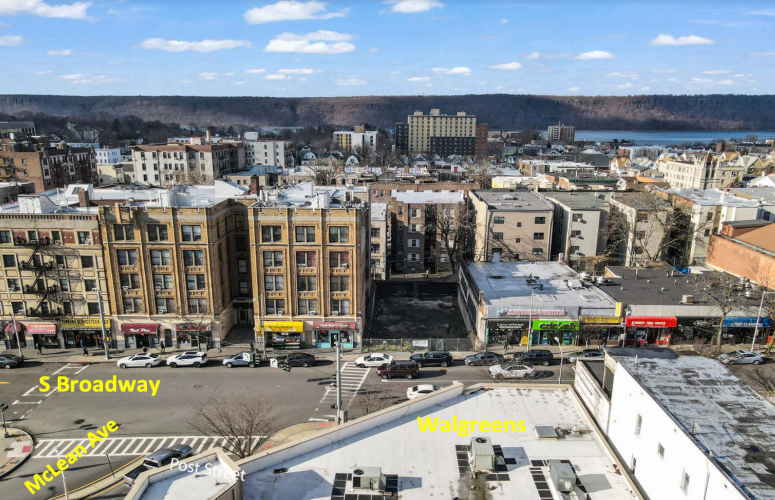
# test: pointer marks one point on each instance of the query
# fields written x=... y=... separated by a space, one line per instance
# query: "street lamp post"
x=758 y=318
x=4 y=407
x=64 y=481
x=559 y=344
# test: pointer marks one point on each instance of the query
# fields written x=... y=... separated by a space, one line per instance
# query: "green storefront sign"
x=555 y=325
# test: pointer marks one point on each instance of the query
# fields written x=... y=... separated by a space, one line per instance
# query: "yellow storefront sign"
x=601 y=319
x=282 y=326
x=83 y=323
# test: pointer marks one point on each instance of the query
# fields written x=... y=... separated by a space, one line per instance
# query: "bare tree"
x=373 y=398
x=481 y=173
x=721 y=290
x=325 y=171
x=188 y=177
x=752 y=138
x=762 y=377
x=453 y=228
x=764 y=275
x=244 y=424
x=526 y=135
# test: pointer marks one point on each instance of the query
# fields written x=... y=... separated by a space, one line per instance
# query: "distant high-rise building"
x=402 y=137
x=20 y=128
x=439 y=134
x=562 y=133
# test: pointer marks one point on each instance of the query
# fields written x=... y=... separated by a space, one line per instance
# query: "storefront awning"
x=746 y=322
x=282 y=326
x=10 y=328
x=333 y=325
x=652 y=321
x=42 y=328
x=140 y=328
x=82 y=323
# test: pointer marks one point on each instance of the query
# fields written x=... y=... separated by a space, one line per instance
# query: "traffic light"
x=334 y=380
x=286 y=366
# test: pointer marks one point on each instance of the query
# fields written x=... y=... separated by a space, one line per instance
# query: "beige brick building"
x=174 y=164
x=422 y=128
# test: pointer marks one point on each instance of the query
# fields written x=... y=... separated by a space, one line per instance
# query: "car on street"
x=741 y=357
x=512 y=371
x=420 y=390
x=483 y=359
x=535 y=357
x=398 y=369
x=299 y=359
x=196 y=359
x=156 y=460
x=242 y=358
x=139 y=360
x=586 y=355
x=430 y=358
x=374 y=359
x=8 y=361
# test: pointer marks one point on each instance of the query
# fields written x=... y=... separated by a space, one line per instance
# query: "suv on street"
x=157 y=459
x=187 y=359
x=535 y=357
x=439 y=358
x=394 y=369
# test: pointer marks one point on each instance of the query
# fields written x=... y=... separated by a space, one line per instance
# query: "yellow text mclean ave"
x=65 y=384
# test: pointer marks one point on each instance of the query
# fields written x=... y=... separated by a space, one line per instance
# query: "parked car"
x=741 y=357
x=157 y=459
x=8 y=361
x=187 y=359
x=243 y=358
x=299 y=359
x=439 y=358
x=483 y=359
x=374 y=359
x=420 y=390
x=396 y=369
x=535 y=357
x=586 y=355
x=511 y=371
x=138 y=360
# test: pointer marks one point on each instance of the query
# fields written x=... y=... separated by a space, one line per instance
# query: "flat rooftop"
x=734 y=422
x=512 y=200
x=378 y=210
x=427 y=463
x=707 y=197
x=215 y=477
x=580 y=200
x=434 y=197
x=763 y=193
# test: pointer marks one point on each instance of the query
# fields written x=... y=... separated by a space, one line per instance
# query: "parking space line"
x=28 y=392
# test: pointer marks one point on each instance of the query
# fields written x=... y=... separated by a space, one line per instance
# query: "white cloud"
x=725 y=82
x=373 y=50
x=765 y=12
x=276 y=77
x=5 y=25
x=10 y=40
x=459 y=70
x=208 y=76
x=96 y=80
x=255 y=71
x=645 y=88
x=663 y=39
x=533 y=55
x=397 y=72
x=632 y=75
x=47 y=72
x=63 y=52
x=228 y=74
x=503 y=21
x=351 y=81
x=716 y=72
x=297 y=71
x=318 y=42
x=506 y=66
x=203 y=46
x=240 y=83
x=762 y=54
x=500 y=87
x=482 y=84
x=39 y=8
x=540 y=55
x=627 y=85
x=302 y=79
x=419 y=79
x=415 y=6
x=290 y=11
x=573 y=89
x=594 y=54
x=674 y=80
x=71 y=77
x=664 y=71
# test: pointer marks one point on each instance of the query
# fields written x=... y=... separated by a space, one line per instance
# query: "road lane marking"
x=28 y=392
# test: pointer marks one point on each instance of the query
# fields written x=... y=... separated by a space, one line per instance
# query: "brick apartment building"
x=745 y=249
x=46 y=167
x=196 y=163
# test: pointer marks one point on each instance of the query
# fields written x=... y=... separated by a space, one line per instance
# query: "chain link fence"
x=410 y=345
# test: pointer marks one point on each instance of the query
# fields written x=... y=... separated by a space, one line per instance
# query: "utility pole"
x=102 y=321
x=64 y=481
x=4 y=407
x=16 y=332
x=338 y=382
x=261 y=322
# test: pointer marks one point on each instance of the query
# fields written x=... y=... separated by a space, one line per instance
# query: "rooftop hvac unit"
x=482 y=455
x=687 y=299
x=562 y=475
x=368 y=478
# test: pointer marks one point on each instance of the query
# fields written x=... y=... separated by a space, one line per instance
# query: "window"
x=498 y=220
x=413 y=228
x=87 y=262
x=127 y=257
x=578 y=217
x=638 y=424
x=305 y=234
x=17 y=307
x=374 y=233
x=5 y=236
x=9 y=260
x=637 y=250
x=305 y=259
x=193 y=258
x=56 y=236
x=538 y=251
x=244 y=289
x=308 y=306
x=497 y=236
x=130 y=281
x=13 y=284
x=707 y=232
x=197 y=306
x=766 y=216
x=242 y=266
x=540 y=220
x=414 y=243
x=240 y=243
x=157 y=232
x=660 y=451
x=642 y=217
x=270 y=234
x=414 y=212
x=538 y=236
x=338 y=234
x=641 y=235
x=191 y=233
x=339 y=259
x=275 y=306
x=164 y=305
x=340 y=306
x=519 y=224
x=413 y=257
x=195 y=282
x=374 y=248
x=133 y=305
x=710 y=216
x=239 y=221
x=274 y=283
x=574 y=249
x=340 y=283
x=163 y=281
x=123 y=232
x=160 y=258
x=93 y=308
x=90 y=285
x=307 y=283
x=67 y=307
x=685 y=483
x=83 y=237
x=273 y=259
x=575 y=234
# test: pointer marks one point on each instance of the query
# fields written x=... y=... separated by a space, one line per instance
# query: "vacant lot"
x=435 y=316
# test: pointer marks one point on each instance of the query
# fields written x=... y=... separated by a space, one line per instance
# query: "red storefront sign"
x=652 y=321
x=140 y=328
x=42 y=328
x=332 y=325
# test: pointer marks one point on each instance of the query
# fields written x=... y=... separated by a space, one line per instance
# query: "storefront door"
x=327 y=333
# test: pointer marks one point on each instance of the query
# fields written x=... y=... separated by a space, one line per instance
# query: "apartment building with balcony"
x=309 y=248
x=53 y=274
x=174 y=164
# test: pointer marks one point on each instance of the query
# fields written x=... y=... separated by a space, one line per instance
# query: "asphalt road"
x=54 y=415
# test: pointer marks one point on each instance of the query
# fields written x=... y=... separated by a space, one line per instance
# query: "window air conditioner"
x=302 y=265
x=125 y=288
x=280 y=311
x=313 y=313
x=334 y=313
x=60 y=266
x=57 y=242
x=158 y=289
x=161 y=310
x=345 y=266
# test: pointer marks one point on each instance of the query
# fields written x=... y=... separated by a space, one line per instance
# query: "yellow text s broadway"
x=65 y=384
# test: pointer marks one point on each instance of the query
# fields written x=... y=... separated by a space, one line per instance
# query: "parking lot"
x=435 y=316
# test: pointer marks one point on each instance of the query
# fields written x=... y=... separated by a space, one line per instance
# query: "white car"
x=420 y=390
x=195 y=359
x=375 y=359
x=513 y=371
x=741 y=357
x=138 y=360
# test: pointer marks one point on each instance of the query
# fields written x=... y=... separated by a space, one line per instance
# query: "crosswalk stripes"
x=124 y=446
x=351 y=379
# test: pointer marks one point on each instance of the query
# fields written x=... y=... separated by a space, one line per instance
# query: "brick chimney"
x=83 y=198
x=254 y=185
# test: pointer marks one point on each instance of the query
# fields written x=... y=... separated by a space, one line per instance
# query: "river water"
x=666 y=138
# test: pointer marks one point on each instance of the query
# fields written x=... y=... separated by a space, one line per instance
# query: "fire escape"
x=39 y=268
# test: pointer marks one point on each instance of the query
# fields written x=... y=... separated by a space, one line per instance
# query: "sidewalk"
x=14 y=449
x=103 y=484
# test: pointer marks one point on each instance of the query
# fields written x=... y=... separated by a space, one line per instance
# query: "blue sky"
x=400 y=47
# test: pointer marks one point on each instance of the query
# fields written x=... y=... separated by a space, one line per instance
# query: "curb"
x=109 y=480
x=19 y=436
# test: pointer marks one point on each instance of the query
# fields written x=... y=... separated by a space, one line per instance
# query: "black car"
x=10 y=360
x=300 y=359
x=439 y=358
x=483 y=359
x=535 y=357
